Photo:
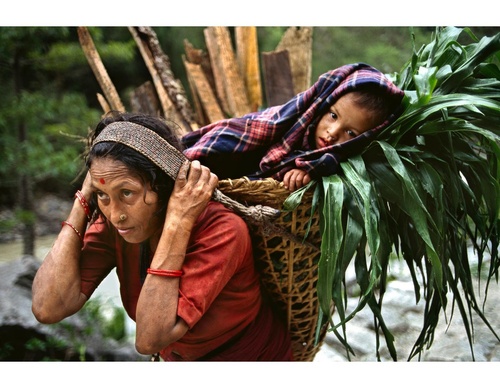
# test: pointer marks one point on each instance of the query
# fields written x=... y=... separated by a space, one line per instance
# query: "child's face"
x=344 y=121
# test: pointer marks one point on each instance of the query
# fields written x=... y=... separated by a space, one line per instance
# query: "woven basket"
x=288 y=268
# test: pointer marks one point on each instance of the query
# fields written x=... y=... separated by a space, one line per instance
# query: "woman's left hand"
x=193 y=190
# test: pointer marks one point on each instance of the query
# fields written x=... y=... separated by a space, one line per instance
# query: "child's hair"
x=376 y=100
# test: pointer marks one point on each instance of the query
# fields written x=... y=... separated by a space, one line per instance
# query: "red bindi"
x=102 y=181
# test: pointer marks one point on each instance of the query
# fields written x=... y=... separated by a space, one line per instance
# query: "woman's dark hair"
x=138 y=164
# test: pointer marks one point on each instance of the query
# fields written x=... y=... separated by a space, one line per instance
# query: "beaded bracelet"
x=84 y=203
x=72 y=227
x=165 y=272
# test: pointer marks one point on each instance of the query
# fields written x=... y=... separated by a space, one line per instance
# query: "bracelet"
x=72 y=227
x=84 y=203
x=165 y=272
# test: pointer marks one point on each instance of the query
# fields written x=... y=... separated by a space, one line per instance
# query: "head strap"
x=146 y=142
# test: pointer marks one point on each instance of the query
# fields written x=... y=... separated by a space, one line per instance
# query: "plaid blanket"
x=275 y=140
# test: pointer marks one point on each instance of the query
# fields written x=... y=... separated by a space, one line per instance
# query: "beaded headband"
x=146 y=142
x=170 y=159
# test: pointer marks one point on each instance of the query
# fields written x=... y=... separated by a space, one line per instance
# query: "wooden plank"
x=195 y=96
x=230 y=80
x=298 y=43
x=278 y=78
x=99 y=70
x=217 y=67
x=144 y=100
x=247 y=54
x=203 y=93
x=200 y=57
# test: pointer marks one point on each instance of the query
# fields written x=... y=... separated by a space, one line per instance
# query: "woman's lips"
x=124 y=231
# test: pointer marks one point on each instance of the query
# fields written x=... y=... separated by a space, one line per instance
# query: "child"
x=305 y=138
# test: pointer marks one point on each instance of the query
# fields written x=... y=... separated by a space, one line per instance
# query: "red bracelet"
x=72 y=227
x=165 y=272
x=84 y=203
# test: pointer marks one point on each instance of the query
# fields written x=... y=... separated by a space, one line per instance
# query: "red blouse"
x=219 y=292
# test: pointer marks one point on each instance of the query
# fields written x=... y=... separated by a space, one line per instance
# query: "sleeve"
x=98 y=256
x=220 y=247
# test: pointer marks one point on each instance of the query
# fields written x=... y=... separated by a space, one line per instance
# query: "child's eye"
x=351 y=133
x=333 y=115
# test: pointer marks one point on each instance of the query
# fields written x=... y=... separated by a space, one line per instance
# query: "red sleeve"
x=98 y=256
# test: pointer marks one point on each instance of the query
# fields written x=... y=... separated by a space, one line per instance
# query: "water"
x=13 y=250
x=108 y=291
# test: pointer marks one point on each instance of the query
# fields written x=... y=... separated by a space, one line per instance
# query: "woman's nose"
x=115 y=213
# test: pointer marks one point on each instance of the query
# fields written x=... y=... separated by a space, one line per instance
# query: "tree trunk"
x=26 y=214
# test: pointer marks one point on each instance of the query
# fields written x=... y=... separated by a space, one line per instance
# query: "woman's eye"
x=101 y=195
x=126 y=193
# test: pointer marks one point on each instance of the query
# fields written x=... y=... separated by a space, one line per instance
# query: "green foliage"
x=423 y=191
x=109 y=319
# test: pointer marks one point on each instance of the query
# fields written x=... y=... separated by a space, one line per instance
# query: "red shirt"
x=219 y=292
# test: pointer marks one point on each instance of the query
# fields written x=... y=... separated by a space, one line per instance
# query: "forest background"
x=48 y=100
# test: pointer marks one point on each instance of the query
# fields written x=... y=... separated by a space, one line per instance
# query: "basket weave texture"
x=288 y=268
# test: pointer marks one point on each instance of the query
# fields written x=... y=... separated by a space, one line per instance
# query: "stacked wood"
x=224 y=81
x=170 y=91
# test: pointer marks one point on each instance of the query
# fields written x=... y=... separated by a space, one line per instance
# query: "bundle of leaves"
x=423 y=192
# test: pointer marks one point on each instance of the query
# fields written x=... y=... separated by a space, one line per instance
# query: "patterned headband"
x=146 y=142
x=170 y=159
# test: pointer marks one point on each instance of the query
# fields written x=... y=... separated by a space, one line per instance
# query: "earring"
x=123 y=217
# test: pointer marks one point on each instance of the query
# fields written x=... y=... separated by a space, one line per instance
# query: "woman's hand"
x=295 y=179
x=192 y=191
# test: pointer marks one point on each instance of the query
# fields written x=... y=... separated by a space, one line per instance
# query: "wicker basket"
x=289 y=269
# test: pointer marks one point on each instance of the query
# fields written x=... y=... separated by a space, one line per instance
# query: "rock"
x=23 y=338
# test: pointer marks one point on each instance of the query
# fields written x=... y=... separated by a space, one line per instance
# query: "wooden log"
x=247 y=54
x=104 y=104
x=173 y=86
x=278 y=78
x=203 y=95
x=230 y=86
x=99 y=70
x=144 y=100
x=169 y=110
x=298 y=43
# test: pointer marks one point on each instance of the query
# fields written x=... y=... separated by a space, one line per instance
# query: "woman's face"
x=344 y=121
x=120 y=192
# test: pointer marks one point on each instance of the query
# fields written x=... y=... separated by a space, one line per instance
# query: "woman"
x=184 y=262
